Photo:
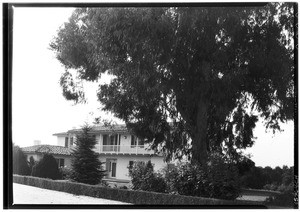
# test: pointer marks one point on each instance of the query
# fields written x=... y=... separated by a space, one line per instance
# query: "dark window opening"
x=114 y=169
x=130 y=164
x=137 y=142
x=61 y=162
x=66 y=141
x=105 y=139
x=141 y=142
x=133 y=141
x=114 y=139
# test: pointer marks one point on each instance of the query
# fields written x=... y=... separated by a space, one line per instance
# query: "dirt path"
x=24 y=194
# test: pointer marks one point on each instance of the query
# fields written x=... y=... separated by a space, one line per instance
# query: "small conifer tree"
x=85 y=164
x=31 y=164
x=47 y=168
x=20 y=164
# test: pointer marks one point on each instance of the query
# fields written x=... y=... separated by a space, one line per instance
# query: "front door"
x=111 y=167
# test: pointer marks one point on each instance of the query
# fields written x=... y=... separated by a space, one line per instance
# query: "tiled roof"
x=58 y=150
x=105 y=129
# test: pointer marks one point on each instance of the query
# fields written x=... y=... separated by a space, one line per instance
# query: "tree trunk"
x=199 y=143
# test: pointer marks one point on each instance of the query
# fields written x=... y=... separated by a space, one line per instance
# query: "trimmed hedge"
x=256 y=192
x=123 y=195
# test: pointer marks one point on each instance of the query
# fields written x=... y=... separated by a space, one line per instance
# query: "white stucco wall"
x=38 y=157
x=123 y=163
x=158 y=163
x=61 y=141
x=66 y=158
x=125 y=140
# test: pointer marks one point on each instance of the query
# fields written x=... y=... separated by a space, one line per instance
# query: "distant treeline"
x=278 y=179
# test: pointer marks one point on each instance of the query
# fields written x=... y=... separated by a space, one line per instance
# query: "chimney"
x=36 y=142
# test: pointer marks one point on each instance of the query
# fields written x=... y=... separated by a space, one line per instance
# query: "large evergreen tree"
x=86 y=167
x=185 y=73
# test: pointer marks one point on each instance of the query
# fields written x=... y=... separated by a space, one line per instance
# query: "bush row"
x=129 y=196
x=216 y=179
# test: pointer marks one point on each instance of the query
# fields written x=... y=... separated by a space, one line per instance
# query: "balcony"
x=117 y=149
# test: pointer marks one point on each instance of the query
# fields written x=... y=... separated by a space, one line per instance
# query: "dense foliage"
x=144 y=178
x=185 y=73
x=286 y=198
x=46 y=168
x=86 y=167
x=218 y=179
x=215 y=180
x=278 y=179
x=65 y=172
x=20 y=164
x=31 y=164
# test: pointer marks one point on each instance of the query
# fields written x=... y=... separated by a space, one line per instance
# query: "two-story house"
x=117 y=149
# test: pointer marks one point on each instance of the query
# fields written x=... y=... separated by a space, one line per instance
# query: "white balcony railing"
x=125 y=149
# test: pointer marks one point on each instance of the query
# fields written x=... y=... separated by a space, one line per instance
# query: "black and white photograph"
x=151 y=105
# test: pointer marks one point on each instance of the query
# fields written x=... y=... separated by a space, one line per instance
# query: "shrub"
x=123 y=187
x=215 y=180
x=20 y=164
x=271 y=187
x=65 y=173
x=31 y=164
x=256 y=178
x=286 y=198
x=144 y=178
x=86 y=166
x=47 y=168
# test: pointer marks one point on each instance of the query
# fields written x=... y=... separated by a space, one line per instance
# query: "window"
x=61 y=162
x=133 y=141
x=111 y=143
x=141 y=143
x=111 y=140
x=105 y=139
x=114 y=139
x=66 y=141
x=136 y=141
x=130 y=164
x=111 y=167
x=71 y=141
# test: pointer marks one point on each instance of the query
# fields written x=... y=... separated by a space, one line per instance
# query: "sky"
x=40 y=110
